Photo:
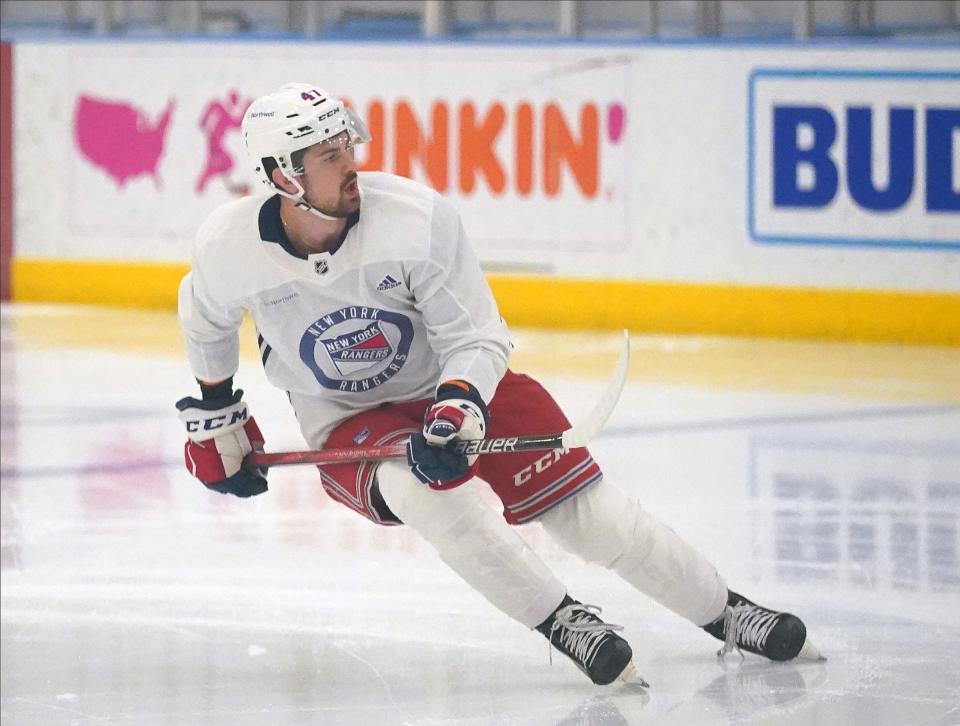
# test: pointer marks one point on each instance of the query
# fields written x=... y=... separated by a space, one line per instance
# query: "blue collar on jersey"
x=271 y=228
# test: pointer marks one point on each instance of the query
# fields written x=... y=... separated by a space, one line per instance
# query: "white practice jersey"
x=399 y=306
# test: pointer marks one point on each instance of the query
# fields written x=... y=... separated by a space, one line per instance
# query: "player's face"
x=330 y=176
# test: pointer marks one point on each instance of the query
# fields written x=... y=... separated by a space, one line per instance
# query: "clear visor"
x=356 y=132
x=359 y=133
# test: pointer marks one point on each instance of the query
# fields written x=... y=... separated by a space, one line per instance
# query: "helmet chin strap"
x=300 y=200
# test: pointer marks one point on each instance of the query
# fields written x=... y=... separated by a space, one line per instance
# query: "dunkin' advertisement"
x=662 y=163
x=146 y=147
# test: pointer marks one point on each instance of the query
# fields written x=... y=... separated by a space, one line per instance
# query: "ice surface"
x=823 y=479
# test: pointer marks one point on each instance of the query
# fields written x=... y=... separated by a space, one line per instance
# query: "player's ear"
x=281 y=181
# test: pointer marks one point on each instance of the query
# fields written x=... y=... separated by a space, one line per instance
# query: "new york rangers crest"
x=355 y=351
x=356 y=348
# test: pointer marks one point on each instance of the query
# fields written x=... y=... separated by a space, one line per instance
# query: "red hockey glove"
x=458 y=413
x=220 y=432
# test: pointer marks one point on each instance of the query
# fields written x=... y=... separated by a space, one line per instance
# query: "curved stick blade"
x=580 y=434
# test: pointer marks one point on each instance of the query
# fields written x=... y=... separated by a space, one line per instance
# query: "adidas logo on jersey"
x=388 y=283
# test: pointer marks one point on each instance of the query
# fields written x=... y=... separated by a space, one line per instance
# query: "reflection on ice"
x=130 y=595
x=879 y=515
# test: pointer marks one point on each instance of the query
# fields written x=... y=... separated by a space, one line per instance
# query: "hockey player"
x=373 y=315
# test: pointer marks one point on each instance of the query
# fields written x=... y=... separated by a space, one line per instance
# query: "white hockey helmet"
x=291 y=119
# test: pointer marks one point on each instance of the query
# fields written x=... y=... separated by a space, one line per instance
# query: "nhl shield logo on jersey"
x=321 y=267
x=356 y=348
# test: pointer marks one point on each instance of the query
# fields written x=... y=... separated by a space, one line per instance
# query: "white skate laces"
x=581 y=631
x=747 y=625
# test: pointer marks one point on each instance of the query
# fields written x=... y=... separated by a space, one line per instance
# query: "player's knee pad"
x=598 y=525
x=603 y=525
x=429 y=511
x=474 y=540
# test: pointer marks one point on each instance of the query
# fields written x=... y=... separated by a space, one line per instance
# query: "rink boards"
x=776 y=190
x=548 y=302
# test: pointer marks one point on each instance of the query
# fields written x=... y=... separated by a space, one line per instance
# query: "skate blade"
x=632 y=677
x=810 y=652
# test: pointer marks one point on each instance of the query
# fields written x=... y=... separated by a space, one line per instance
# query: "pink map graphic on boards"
x=120 y=138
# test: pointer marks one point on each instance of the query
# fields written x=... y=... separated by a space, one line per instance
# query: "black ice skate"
x=575 y=630
x=747 y=626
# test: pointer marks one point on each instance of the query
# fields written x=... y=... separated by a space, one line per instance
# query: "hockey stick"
x=575 y=437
